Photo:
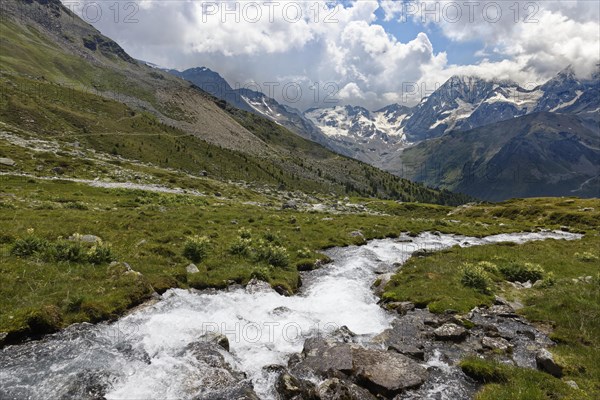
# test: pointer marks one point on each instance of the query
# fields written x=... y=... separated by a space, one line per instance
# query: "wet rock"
x=219 y=379
x=337 y=389
x=496 y=343
x=386 y=373
x=192 y=269
x=545 y=362
x=281 y=310
x=401 y=307
x=216 y=338
x=408 y=350
x=450 y=332
x=343 y=334
x=9 y=162
x=283 y=291
x=87 y=385
x=380 y=283
x=325 y=358
x=291 y=388
x=257 y=286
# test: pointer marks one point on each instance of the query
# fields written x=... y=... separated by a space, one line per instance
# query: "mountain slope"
x=61 y=77
x=257 y=103
x=541 y=154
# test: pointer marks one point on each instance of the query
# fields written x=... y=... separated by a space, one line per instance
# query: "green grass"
x=571 y=309
x=504 y=382
x=149 y=231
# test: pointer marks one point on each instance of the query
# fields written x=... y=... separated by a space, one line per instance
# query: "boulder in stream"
x=386 y=373
x=338 y=389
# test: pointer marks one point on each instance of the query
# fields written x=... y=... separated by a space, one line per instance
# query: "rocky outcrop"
x=352 y=370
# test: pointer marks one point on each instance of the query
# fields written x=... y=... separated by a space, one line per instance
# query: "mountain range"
x=61 y=78
x=391 y=138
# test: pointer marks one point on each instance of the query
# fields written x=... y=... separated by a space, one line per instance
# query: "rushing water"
x=143 y=355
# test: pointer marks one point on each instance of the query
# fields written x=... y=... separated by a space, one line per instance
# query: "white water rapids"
x=142 y=355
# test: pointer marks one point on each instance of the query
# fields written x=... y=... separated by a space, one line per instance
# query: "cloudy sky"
x=369 y=53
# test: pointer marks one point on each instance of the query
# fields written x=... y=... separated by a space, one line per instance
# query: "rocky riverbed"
x=332 y=341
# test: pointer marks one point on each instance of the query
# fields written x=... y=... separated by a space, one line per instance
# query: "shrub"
x=241 y=246
x=488 y=266
x=245 y=233
x=517 y=272
x=474 y=276
x=66 y=251
x=196 y=248
x=28 y=246
x=272 y=237
x=100 y=253
x=261 y=273
x=304 y=253
x=276 y=256
x=586 y=256
x=549 y=280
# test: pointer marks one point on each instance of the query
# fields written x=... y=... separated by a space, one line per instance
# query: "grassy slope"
x=571 y=309
x=51 y=84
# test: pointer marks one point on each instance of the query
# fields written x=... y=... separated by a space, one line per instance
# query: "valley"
x=163 y=232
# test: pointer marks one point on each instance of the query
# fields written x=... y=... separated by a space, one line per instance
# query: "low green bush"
x=241 y=246
x=586 y=256
x=522 y=272
x=100 y=253
x=475 y=276
x=196 y=248
x=29 y=246
x=276 y=256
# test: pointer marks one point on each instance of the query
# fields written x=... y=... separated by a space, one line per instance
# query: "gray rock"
x=216 y=338
x=323 y=357
x=386 y=373
x=337 y=389
x=357 y=234
x=86 y=238
x=192 y=269
x=289 y=205
x=401 y=307
x=497 y=343
x=545 y=362
x=502 y=311
x=7 y=161
x=3 y=336
x=291 y=388
x=451 y=332
x=408 y=350
x=220 y=380
x=573 y=384
x=380 y=283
